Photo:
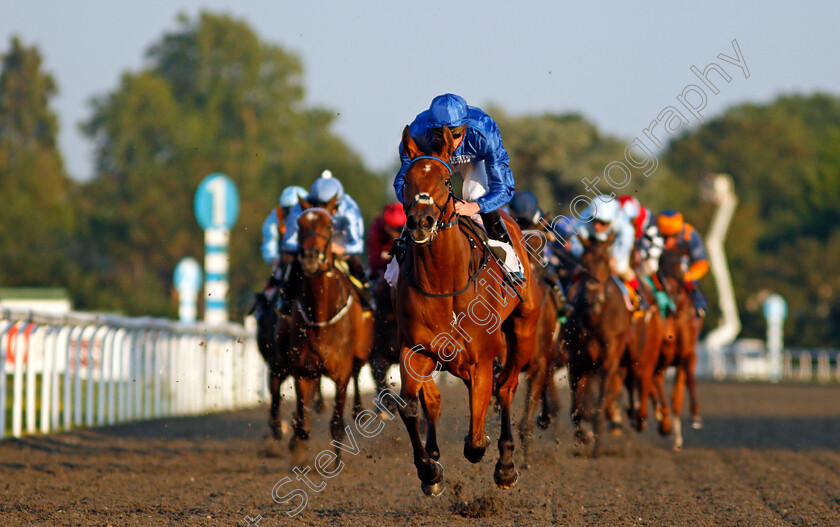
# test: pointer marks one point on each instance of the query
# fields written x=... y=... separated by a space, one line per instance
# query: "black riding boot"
x=498 y=231
x=287 y=287
x=564 y=308
x=357 y=270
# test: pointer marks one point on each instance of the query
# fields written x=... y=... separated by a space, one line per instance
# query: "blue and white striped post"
x=216 y=208
x=188 y=283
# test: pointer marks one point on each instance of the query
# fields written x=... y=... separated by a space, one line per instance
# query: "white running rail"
x=59 y=372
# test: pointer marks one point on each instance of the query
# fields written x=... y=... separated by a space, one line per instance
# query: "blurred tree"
x=784 y=158
x=552 y=154
x=36 y=217
x=213 y=99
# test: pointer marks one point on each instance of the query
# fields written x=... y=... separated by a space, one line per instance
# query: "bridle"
x=424 y=197
x=319 y=253
x=322 y=258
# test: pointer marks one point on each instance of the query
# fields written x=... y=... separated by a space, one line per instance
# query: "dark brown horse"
x=386 y=345
x=596 y=336
x=273 y=332
x=679 y=348
x=331 y=335
x=548 y=355
x=454 y=311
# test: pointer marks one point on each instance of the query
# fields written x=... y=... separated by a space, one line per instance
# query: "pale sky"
x=378 y=64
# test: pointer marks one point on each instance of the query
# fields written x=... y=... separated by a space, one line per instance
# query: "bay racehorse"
x=455 y=311
x=330 y=333
x=679 y=348
x=273 y=332
x=547 y=356
x=596 y=336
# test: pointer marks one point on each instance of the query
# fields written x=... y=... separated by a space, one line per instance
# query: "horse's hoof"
x=319 y=407
x=677 y=448
x=584 y=437
x=697 y=423
x=474 y=455
x=505 y=481
x=435 y=489
x=617 y=431
x=544 y=422
x=664 y=428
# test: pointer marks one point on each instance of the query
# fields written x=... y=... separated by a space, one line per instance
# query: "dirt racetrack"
x=768 y=455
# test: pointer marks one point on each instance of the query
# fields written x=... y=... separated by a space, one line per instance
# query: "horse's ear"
x=332 y=205
x=303 y=203
x=585 y=241
x=448 y=146
x=409 y=146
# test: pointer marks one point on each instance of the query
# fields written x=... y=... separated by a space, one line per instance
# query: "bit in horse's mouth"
x=421 y=236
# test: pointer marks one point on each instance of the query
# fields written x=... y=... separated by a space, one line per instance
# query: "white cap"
x=326 y=174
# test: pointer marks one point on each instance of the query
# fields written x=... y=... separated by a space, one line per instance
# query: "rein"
x=424 y=197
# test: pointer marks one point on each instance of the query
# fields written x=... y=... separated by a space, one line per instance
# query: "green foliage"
x=214 y=99
x=36 y=218
x=785 y=161
x=552 y=154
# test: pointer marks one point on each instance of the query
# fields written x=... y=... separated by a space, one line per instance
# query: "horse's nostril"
x=411 y=222
x=428 y=221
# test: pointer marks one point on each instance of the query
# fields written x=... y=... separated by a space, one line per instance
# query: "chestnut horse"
x=548 y=355
x=596 y=336
x=331 y=335
x=679 y=348
x=455 y=312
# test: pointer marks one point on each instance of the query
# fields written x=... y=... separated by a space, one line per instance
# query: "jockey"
x=680 y=234
x=606 y=217
x=383 y=230
x=524 y=207
x=480 y=155
x=649 y=246
x=348 y=230
x=273 y=231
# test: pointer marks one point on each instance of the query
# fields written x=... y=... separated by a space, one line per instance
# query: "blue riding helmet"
x=289 y=196
x=325 y=187
x=448 y=110
x=525 y=205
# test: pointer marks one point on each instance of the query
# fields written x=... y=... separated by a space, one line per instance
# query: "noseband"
x=425 y=198
x=321 y=254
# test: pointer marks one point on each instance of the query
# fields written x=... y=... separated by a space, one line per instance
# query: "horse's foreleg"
x=505 y=474
x=676 y=404
x=415 y=368
x=579 y=384
x=432 y=404
x=357 y=394
x=606 y=397
x=550 y=401
x=303 y=388
x=481 y=388
x=691 y=383
x=337 y=421
x=537 y=373
x=662 y=410
x=274 y=423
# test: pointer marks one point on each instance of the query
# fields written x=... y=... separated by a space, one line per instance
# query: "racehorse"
x=386 y=346
x=679 y=348
x=642 y=355
x=455 y=312
x=596 y=335
x=272 y=341
x=547 y=355
x=330 y=333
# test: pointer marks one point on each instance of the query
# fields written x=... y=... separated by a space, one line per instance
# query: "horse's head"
x=672 y=264
x=596 y=262
x=315 y=237
x=427 y=191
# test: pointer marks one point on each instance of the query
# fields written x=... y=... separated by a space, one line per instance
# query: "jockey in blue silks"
x=273 y=230
x=348 y=229
x=480 y=156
